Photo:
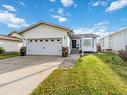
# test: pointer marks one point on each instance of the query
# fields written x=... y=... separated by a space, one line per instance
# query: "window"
x=46 y=40
x=87 y=42
x=35 y=40
x=41 y=40
x=30 y=40
x=52 y=40
x=58 y=40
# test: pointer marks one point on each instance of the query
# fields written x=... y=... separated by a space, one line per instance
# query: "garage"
x=44 y=46
x=43 y=38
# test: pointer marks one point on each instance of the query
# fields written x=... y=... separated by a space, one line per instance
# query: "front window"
x=87 y=42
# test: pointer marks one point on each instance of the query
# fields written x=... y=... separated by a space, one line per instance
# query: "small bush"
x=2 y=50
x=23 y=51
x=123 y=54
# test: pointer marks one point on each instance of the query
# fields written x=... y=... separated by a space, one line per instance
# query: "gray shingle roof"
x=85 y=35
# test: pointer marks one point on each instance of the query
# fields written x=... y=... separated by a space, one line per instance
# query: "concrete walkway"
x=70 y=61
x=22 y=80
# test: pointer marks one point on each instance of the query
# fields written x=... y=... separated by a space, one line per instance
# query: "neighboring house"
x=85 y=42
x=15 y=35
x=119 y=40
x=10 y=44
x=105 y=43
x=116 y=41
x=45 y=38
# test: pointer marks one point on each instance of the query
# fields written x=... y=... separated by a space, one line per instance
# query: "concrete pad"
x=30 y=72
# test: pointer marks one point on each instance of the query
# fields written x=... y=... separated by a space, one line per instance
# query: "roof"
x=12 y=33
x=85 y=35
x=122 y=30
x=47 y=23
x=4 y=37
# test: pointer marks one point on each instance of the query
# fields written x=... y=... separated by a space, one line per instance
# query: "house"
x=10 y=44
x=105 y=43
x=15 y=35
x=44 y=38
x=119 y=40
x=116 y=41
x=85 y=42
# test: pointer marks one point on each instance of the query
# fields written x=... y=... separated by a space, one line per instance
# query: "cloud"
x=59 y=18
x=22 y=3
x=9 y=8
x=52 y=0
x=61 y=15
x=96 y=3
x=99 y=2
x=11 y=20
x=99 y=29
x=60 y=11
x=67 y=3
x=118 y=4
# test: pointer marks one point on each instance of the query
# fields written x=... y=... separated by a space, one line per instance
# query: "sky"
x=101 y=17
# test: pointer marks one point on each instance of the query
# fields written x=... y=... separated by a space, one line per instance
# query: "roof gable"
x=47 y=23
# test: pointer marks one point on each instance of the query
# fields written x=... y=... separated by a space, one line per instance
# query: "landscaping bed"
x=90 y=76
x=8 y=55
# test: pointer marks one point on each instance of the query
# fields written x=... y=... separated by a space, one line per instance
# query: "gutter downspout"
x=125 y=40
x=82 y=46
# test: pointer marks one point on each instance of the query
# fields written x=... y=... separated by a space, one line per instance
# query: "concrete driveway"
x=20 y=75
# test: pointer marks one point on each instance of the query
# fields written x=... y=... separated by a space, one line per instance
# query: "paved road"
x=20 y=75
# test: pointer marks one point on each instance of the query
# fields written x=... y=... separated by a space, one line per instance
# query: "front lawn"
x=90 y=76
x=116 y=63
x=9 y=55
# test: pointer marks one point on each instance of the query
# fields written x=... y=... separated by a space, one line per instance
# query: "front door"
x=73 y=43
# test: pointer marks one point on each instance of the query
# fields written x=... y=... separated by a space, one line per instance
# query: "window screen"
x=87 y=42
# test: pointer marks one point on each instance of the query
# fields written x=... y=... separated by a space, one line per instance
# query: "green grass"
x=110 y=58
x=116 y=63
x=9 y=55
x=90 y=76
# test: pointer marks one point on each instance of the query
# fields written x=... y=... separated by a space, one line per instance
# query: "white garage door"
x=44 y=47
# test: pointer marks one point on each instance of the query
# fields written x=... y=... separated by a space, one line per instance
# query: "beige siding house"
x=44 y=38
x=10 y=44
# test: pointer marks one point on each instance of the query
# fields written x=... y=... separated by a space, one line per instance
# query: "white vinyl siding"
x=10 y=46
x=47 y=32
x=89 y=44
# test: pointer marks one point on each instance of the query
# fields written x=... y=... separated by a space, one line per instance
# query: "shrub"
x=23 y=51
x=2 y=50
x=123 y=54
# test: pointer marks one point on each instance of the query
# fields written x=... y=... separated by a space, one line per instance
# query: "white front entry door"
x=44 y=46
